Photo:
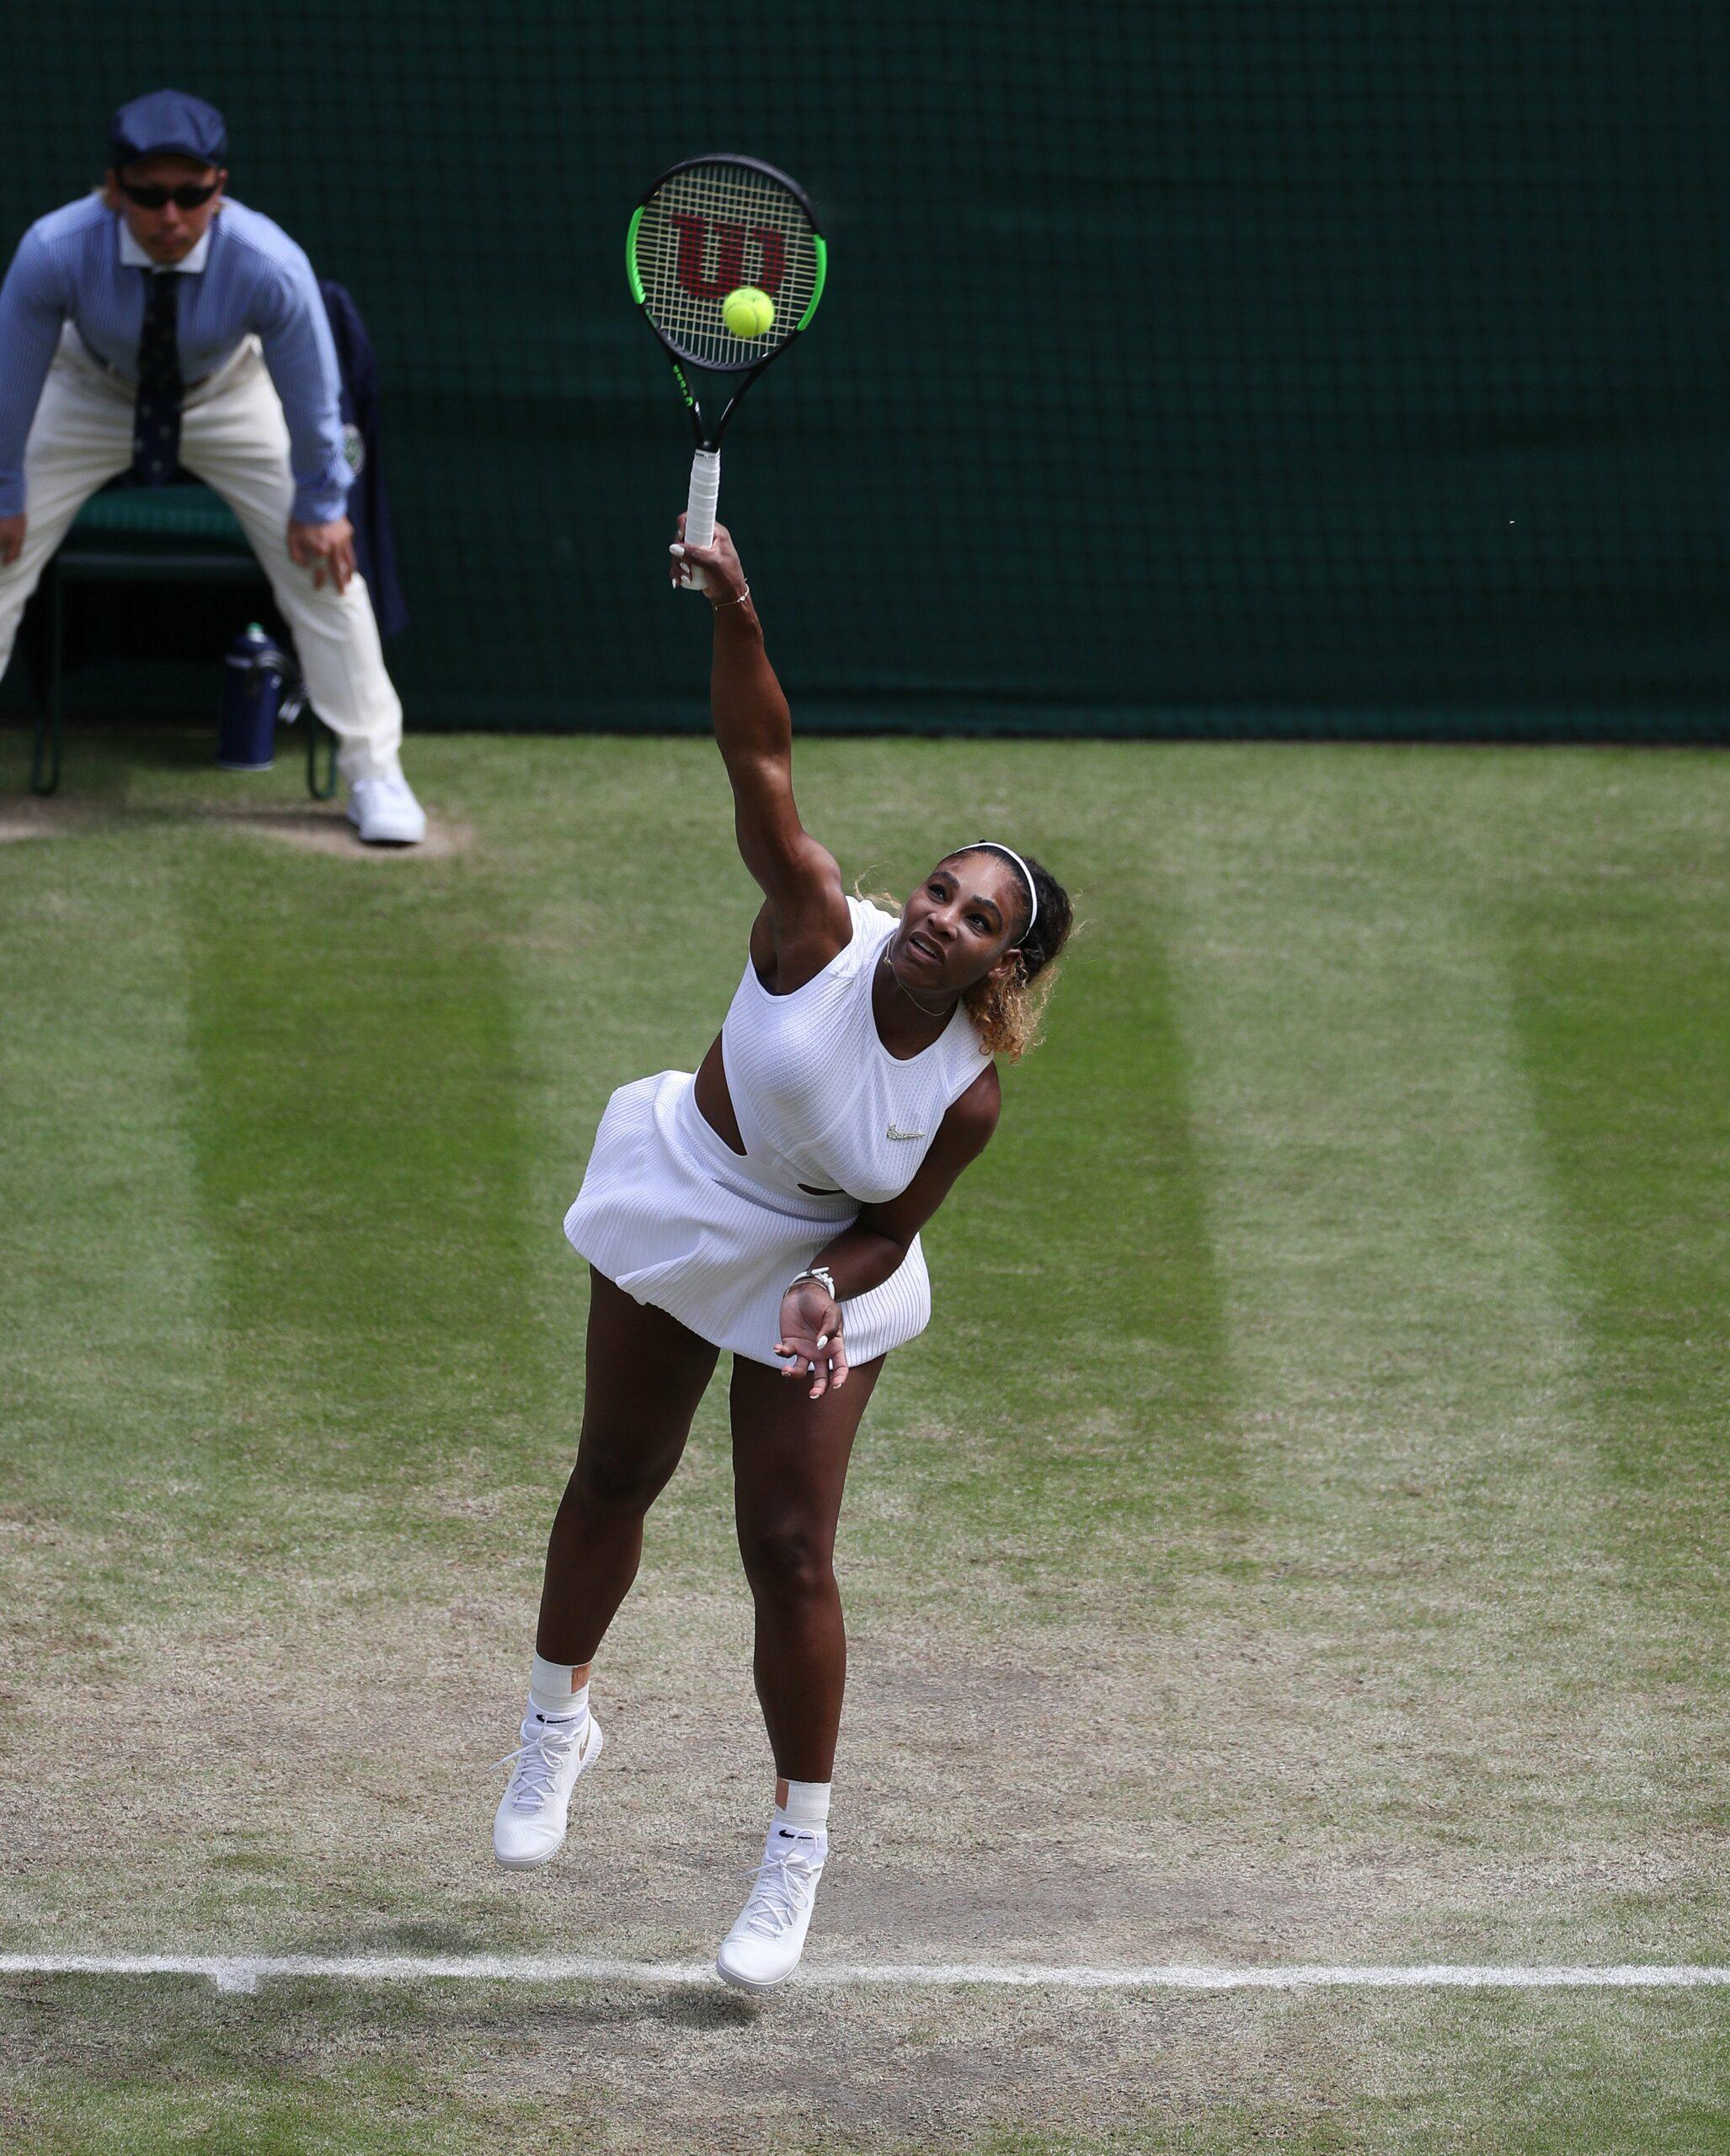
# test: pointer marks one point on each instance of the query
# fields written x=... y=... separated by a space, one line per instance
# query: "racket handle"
x=700 y=506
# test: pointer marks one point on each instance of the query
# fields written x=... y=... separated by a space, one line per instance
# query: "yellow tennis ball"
x=748 y=312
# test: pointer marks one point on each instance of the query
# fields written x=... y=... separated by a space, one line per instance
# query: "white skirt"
x=672 y=1214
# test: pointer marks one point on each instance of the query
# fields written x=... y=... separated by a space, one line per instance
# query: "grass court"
x=1299 y=1537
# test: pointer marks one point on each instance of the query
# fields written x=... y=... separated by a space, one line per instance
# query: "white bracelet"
x=715 y=605
x=821 y=1274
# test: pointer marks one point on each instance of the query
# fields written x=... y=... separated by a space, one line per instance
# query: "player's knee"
x=786 y=1560
x=617 y=1476
x=337 y=612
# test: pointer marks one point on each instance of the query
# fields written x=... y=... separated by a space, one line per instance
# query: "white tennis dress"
x=830 y=1120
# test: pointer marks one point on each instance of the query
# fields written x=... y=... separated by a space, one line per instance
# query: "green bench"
x=149 y=535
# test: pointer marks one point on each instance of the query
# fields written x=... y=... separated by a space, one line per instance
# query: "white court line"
x=244 y=1972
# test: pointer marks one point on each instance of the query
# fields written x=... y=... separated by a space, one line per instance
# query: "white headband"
x=996 y=847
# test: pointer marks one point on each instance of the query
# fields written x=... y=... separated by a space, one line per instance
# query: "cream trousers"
x=233 y=437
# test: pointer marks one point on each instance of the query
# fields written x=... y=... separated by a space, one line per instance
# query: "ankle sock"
x=552 y=1693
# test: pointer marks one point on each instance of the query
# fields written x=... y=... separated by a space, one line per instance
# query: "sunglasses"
x=190 y=196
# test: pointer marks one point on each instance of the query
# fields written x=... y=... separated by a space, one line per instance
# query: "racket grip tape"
x=700 y=506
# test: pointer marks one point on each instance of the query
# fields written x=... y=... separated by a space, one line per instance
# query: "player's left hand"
x=810 y=1333
x=326 y=549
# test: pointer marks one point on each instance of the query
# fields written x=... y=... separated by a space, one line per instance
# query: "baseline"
x=244 y=1972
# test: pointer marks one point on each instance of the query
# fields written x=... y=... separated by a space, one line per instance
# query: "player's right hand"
x=327 y=549
x=12 y=539
x=811 y=1335
x=721 y=562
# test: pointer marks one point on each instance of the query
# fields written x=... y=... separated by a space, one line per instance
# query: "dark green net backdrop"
x=1214 y=367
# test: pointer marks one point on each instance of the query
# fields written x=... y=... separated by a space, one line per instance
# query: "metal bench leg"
x=45 y=743
x=319 y=736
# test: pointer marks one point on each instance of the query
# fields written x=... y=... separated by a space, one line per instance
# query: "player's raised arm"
x=797 y=876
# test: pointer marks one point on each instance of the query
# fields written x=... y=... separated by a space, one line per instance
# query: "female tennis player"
x=771 y=1205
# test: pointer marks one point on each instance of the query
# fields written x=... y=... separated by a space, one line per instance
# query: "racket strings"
x=708 y=230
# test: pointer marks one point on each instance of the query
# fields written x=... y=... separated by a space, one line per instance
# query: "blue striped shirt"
x=68 y=267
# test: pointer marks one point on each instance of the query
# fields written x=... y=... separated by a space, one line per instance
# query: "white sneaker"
x=529 y=1824
x=763 y=1948
x=385 y=812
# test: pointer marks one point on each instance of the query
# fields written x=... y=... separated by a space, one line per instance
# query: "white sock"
x=806 y=1812
x=552 y=1693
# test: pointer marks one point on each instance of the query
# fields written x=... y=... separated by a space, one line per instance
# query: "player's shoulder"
x=73 y=226
x=259 y=243
x=869 y=927
x=870 y=916
x=971 y=1116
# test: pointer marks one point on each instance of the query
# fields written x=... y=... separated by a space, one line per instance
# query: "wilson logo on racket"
x=729 y=271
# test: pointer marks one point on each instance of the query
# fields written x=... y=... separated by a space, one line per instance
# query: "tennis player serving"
x=771 y=1205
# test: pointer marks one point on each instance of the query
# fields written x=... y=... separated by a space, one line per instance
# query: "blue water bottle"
x=257 y=675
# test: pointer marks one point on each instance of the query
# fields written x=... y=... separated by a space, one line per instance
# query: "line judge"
x=155 y=324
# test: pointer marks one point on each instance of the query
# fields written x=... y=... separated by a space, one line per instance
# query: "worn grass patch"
x=119 y=2070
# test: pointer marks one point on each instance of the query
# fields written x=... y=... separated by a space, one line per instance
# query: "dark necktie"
x=156 y=420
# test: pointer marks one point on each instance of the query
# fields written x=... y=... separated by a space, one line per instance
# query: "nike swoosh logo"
x=894 y=1132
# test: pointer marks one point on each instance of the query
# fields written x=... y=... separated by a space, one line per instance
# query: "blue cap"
x=166 y=123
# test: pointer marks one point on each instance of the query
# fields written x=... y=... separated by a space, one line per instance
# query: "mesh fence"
x=1317 y=366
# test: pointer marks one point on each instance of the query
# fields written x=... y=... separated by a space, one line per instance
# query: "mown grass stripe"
x=1620 y=959
x=1404 y=1336
x=360 y=1158
x=108 y=1361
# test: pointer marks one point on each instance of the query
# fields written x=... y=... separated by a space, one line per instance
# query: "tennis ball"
x=748 y=312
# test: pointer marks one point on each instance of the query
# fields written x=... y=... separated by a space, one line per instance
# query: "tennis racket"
x=705 y=228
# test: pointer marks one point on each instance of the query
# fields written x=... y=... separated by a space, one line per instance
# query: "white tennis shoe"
x=530 y=1823
x=763 y=1948
x=384 y=811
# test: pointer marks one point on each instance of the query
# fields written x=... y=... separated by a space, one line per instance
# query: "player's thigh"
x=80 y=438
x=790 y=1454
x=644 y=1375
x=237 y=442
x=69 y=453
